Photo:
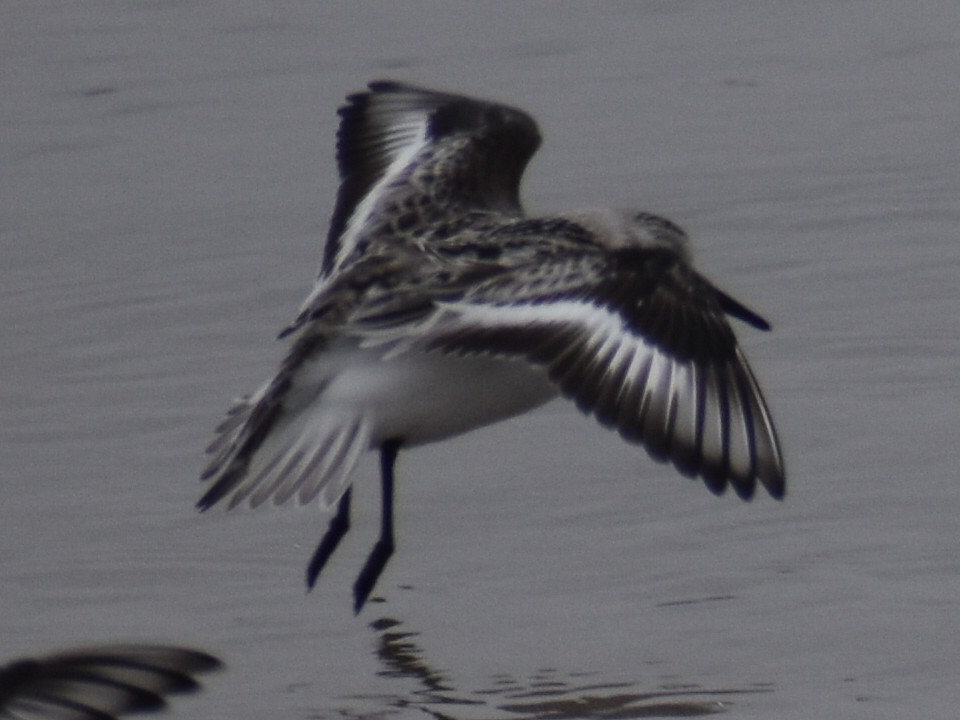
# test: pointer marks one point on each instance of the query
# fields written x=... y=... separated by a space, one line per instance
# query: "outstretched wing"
x=407 y=154
x=99 y=683
x=641 y=341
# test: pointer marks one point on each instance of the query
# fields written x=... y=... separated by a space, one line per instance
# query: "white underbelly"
x=421 y=398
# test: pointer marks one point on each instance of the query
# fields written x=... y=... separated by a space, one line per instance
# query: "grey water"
x=166 y=176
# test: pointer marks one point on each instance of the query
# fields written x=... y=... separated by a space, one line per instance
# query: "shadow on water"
x=546 y=694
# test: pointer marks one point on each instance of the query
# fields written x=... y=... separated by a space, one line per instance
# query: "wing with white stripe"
x=644 y=345
x=407 y=154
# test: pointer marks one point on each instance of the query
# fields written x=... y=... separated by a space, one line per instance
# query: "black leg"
x=382 y=551
x=328 y=543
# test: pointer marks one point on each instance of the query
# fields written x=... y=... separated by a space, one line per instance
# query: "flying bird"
x=441 y=307
x=99 y=683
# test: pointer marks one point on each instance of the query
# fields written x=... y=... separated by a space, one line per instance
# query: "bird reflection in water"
x=547 y=694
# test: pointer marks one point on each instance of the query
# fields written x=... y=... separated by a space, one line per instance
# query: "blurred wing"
x=642 y=342
x=280 y=445
x=99 y=683
x=400 y=148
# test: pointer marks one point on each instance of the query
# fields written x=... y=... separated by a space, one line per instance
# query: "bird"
x=442 y=306
x=99 y=682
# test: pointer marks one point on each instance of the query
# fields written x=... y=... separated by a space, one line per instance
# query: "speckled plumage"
x=436 y=291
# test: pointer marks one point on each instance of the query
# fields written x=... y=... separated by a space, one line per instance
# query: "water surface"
x=166 y=179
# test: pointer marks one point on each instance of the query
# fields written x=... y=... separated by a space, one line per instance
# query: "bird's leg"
x=382 y=551
x=328 y=543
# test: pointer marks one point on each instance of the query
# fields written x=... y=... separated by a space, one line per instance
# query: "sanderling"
x=441 y=307
x=100 y=682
